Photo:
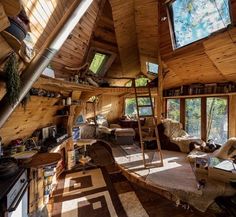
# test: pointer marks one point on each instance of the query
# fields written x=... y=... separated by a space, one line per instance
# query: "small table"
x=85 y=159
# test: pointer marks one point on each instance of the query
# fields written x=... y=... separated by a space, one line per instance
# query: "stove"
x=14 y=195
x=8 y=167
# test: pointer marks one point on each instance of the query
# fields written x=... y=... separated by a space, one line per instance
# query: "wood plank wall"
x=109 y=106
x=40 y=112
x=73 y=51
x=146 y=21
x=124 y=22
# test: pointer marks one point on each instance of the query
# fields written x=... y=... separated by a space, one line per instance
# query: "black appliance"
x=14 y=194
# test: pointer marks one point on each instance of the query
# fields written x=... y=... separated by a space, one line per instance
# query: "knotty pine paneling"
x=73 y=51
x=109 y=106
x=40 y=112
x=124 y=21
x=146 y=21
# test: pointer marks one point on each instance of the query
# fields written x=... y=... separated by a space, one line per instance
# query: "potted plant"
x=12 y=79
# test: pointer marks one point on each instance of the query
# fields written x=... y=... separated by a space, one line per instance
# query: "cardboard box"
x=4 y=22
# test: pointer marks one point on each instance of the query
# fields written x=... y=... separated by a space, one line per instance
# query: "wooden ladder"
x=155 y=136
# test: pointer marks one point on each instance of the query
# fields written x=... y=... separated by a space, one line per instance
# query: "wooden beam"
x=203 y=119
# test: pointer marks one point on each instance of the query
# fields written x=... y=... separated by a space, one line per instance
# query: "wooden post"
x=232 y=116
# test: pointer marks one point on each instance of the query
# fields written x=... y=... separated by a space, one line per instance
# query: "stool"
x=85 y=160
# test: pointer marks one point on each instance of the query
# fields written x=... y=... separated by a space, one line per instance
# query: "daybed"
x=174 y=138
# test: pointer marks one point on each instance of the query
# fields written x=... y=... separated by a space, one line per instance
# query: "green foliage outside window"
x=173 y=109
x=98 y=62
x=193 y=117
x=217 y=119
x=139 y=82
x=130 y=106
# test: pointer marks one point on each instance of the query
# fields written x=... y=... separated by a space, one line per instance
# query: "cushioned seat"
x=124 y=132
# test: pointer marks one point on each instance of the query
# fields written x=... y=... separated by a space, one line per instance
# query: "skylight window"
x=193 y=20
x=98 y=62
x=152 y=68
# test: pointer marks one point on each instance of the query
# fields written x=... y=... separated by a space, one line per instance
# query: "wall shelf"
x=200 y=95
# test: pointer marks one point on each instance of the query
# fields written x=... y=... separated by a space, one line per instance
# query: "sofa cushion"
x=124 y=132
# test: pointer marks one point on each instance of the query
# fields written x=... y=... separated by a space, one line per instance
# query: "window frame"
x=228 y=110
x=172 y=33
x=111 y=56
x=203 y=112
x=124 y=103
x=152 y=73
x=166 y=112
x=184 y=113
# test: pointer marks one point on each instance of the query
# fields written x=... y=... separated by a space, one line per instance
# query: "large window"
x=130 y=106
x=173 y=109
x=193 y=20
x=217 y=119
x=193 y=117
x=205 y=118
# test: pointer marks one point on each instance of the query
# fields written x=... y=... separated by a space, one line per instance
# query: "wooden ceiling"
x=210 y=60
x=136 y=31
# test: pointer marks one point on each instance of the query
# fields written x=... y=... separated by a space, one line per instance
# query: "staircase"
x=147 y=111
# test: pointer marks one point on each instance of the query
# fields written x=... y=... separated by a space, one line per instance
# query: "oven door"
x=19 y=207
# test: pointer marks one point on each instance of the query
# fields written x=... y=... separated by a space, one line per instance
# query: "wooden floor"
x=154 y=204
x=176 y=180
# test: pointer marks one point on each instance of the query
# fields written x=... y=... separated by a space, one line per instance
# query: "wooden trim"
x=182 y=112
x=171 y=28
x=111 y=56
x=200 y=95
x=203 y=119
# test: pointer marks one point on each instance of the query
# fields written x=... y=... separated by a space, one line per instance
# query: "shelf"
x=200 y=95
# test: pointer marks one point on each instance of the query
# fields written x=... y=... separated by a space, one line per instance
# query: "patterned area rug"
x=87 y=195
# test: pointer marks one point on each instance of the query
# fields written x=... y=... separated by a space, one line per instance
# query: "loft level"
x=201 y=90
x=200 y=95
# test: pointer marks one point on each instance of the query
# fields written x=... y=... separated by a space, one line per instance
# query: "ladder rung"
x=142 y=92
x=146 y=116
x=143 y=96
x=147 y=127
x=143 y=106
x=149 y=139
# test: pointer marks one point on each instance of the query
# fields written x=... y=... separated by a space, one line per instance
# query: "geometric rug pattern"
x=87 y=195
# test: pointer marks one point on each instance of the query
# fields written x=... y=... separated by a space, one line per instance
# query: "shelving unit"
x=201 y=90
x=200 y=95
